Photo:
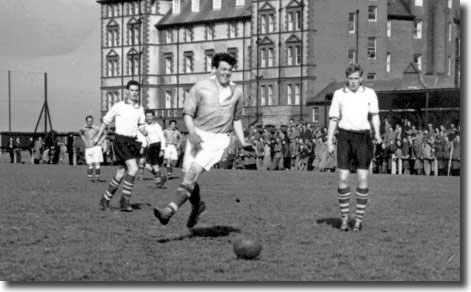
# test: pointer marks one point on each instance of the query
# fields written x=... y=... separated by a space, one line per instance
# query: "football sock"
x=128 y=185
x=141 y=171
x=195 y=195
x=169 y=171
x=112 y=188
x=97 y=172
x=182 y=194
x=90 y=172
x=157 y=177
x=343 y=196
x=362 y=200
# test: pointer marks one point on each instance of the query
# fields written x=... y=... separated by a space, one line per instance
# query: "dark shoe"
x=162 y=182
x=344 y=226
x=196 y=210
x=125 y=205
x=104 y=204
x=163 y=215
x=357 y=226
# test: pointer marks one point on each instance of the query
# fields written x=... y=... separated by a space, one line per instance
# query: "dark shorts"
x=354 y=149
x=153 y=154
x=125 y=148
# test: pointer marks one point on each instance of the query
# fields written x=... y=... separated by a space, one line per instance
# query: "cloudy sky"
x=62 y=38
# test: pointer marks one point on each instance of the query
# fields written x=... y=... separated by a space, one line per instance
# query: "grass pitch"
x=52 y=229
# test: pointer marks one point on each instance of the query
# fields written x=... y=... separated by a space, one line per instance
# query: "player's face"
x=133 y=92
x=172 y=126
x=149 y=118
x=354 y=81
x=89 y=122
x=223 y=73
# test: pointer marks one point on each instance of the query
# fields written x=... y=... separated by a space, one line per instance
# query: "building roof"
x=398 y=9
x=206 y=13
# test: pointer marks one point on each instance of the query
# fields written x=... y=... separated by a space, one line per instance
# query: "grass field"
x=53 y=230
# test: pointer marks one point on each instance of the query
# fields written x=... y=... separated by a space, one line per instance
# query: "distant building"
x=288 y=50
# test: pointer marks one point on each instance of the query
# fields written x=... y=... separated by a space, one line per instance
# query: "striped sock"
x=90 y=172
x=97 y=172
x=157 y=177
x=182 y=194
x=112 y=188
x=141 y=171
x=128 y=185
x=362 y=200
x=343 y=197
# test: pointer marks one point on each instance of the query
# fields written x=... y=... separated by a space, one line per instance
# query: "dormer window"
x=216 y=4
x=176 y=6
x=195 y=5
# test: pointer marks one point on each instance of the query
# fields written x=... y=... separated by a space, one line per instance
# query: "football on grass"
x=246 y=248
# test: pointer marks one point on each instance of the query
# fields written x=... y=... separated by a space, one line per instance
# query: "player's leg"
x=141 y=163
x=183 y=193
x=361 y=197
x=343 y=198
x=128 y=184
x=112 y=187
x=97 y=171
x=90 y=172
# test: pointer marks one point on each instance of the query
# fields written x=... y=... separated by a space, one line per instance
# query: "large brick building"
x=288 y=50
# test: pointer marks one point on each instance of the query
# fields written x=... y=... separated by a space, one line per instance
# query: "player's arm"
x=99 y=134
x=102 y=138
x=193 y=137
x=239 y=132
x=376 y=124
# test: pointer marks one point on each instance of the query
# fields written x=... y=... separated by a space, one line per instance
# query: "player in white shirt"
x=155 y=152
x=129 y=118
x=349 y=112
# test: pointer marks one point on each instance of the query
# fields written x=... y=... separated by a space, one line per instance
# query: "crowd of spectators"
x=406 y=149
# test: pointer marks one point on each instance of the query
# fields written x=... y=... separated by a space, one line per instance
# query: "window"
x=418 y=29
x=271 y=56
x=112 y=64
x=388 y=62
x=372 y=11
x=371 y=76
x=112 y=34
x=113 y=10
x=188 y=34
x=294 y=20
x=216 y=4
x=239 y=2
x=351 y=56
x=315 y=114
x=169 y=36
x=133 y=32
x=418 y=61
x=133 y=8
x=168 y=64
x=195 y=5
x=268 y=56
x=168 y=99
x=294 y=55
x=371 y=48
x=449 y=66
x=208 y=59
x=450 y=30
x=388 y=28
x=232 y=30
x=188 y=62
x=176 y=6
x=209 y=32
x=182 y=98
x=270 y=95
x=263 y=97
x=450 y=4
x=108 y=102
x=267 y=21
x=133 y=63
x=419 y=3
x=352 y=22
x=293 y=94
x=115 y=97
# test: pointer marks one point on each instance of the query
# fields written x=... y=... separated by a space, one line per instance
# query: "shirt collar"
x=360 y=89
x=127 y=100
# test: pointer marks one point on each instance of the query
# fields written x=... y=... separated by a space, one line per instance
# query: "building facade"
x=288 y=50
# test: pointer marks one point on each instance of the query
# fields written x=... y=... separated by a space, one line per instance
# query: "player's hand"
x=195 y=139
x=144 y=132
x=330 y=147
x=94 y=141
x=161 y=153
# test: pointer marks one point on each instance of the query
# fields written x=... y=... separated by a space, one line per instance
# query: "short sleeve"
x=142 y=116
x=334 y=111
x=191 y=102
x=111 y=114
x=374 y=109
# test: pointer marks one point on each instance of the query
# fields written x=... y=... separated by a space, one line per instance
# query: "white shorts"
x=93 y=155
x=210 y=153
x=171 y=152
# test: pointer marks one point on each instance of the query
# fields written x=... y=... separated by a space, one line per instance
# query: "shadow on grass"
x=213 y=231
x=135 y=206
x=334 y=222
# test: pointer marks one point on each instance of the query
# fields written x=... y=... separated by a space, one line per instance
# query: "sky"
x=62 y=38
